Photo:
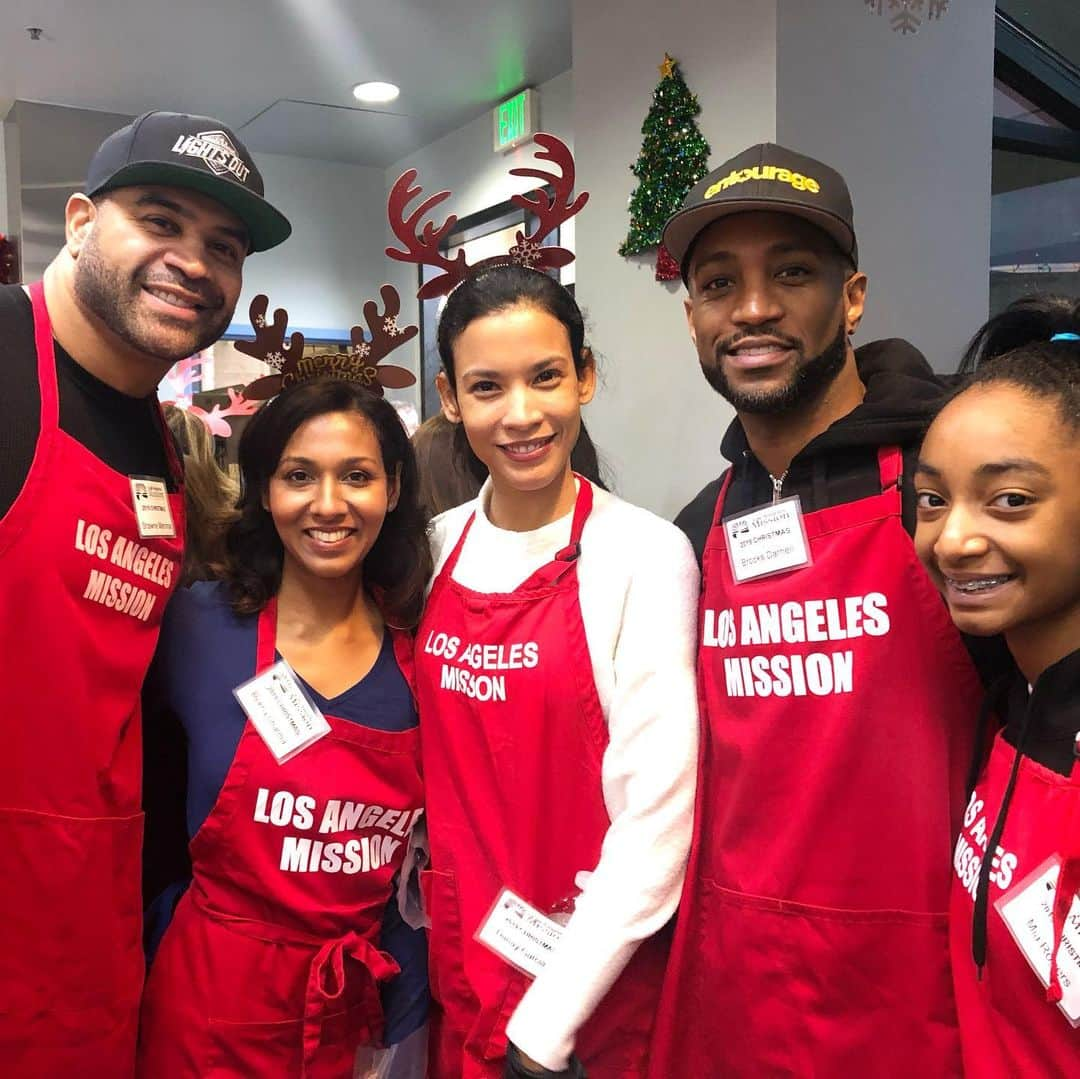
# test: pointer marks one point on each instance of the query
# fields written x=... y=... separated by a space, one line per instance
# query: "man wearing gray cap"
x=838 y=701
x=91 y=541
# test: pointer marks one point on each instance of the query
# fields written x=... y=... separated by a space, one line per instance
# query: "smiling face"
x=519 y=397
x=329 y=495
x=158 y=267
x=771 y=304
x=999 y=518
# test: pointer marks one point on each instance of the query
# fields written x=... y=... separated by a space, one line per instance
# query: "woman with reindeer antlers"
x=290 y=678
x=555 y=675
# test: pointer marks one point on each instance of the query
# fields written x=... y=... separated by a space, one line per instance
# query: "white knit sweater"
x=638 y=588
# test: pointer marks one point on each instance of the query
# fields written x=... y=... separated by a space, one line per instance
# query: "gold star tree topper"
x=667 y=68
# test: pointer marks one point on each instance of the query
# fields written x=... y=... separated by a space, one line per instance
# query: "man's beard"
x=807 y=383
x=115 y=299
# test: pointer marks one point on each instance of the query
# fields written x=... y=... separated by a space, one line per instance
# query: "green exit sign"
x=515 y=120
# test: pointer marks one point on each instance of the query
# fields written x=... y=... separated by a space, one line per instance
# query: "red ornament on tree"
x=667 y=269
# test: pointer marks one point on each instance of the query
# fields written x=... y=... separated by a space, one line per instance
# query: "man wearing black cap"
x=91 y=537
x=837 y=698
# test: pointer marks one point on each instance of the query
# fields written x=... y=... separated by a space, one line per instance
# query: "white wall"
x=9 y=171
x=908 y=122
x=465 y=163
x=55 y=144
x=655 y=419
x=333 y=261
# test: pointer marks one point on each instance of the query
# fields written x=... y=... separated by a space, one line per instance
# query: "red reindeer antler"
x=422 y=244
x=550 y=210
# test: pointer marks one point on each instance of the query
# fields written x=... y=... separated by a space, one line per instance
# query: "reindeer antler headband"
x=421 y=242
x=359 y=364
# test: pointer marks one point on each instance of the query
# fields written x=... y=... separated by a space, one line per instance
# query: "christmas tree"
x=674 y=156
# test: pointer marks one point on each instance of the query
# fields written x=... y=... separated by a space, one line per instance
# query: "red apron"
x=513 y=742
x=838 y=705
x=1008 y=1027
x=82 y=597
x=270 y=966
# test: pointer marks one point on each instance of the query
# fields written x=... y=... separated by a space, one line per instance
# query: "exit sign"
x=515 y=120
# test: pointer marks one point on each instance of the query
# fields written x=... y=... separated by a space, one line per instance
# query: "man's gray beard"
x=114 y=297
x=807 y=384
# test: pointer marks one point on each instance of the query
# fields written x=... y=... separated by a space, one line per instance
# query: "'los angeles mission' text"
x=475 y=668
x=383 y=830
x=798 y=673
x=129 y=555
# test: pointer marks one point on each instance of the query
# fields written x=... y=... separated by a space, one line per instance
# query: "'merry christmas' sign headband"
x=359 y=364
x=421 y=242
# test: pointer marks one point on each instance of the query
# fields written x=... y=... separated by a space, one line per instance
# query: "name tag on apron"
x=1028 y=911
x=281 y=712
x=517 y=932
x=150 y=497
x=766 y=540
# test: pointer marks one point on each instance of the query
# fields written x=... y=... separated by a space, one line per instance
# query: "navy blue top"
x=206 y=651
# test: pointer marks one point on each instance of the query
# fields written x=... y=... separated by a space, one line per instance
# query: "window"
x=1035 y=210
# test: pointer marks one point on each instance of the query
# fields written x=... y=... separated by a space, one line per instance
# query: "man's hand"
x=519 y=1066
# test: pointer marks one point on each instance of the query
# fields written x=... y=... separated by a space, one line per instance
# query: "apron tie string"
x=326 y=982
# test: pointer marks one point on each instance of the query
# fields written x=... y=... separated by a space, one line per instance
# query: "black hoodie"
x=903 y=394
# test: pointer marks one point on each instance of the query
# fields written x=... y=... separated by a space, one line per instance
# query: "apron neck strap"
x=50 y=397
x=455 y=554
x=721 y=498
x=890 y=466
x=46 y=358
x=1068 y=885
x=582 y=509
x=266 y=637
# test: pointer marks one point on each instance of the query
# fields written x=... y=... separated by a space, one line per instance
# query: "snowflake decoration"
x=906 y=16
x=363 y=349
x=260 y=321
x=526 y=253
x=275 y=359
x=391 y=328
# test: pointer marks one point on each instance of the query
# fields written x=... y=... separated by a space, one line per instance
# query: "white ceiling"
x=280 y=72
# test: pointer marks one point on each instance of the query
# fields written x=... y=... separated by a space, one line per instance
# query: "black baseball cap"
x=195 y=152
x=765 y=177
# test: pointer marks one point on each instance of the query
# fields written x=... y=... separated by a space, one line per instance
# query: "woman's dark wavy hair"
x=1014 y=346
x=489 y=292
x=398 y=565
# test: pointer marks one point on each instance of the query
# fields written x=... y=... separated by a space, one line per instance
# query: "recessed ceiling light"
x=375 y=93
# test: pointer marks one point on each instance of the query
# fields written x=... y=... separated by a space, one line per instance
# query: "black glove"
x=515 y=1068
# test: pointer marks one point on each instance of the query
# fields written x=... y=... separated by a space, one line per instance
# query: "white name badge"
x=281 y=712
x=1028 y=911
x=150 y=497
x=519 y=933
x=766 y=540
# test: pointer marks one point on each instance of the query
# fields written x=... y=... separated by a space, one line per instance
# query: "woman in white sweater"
x=555 y=677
